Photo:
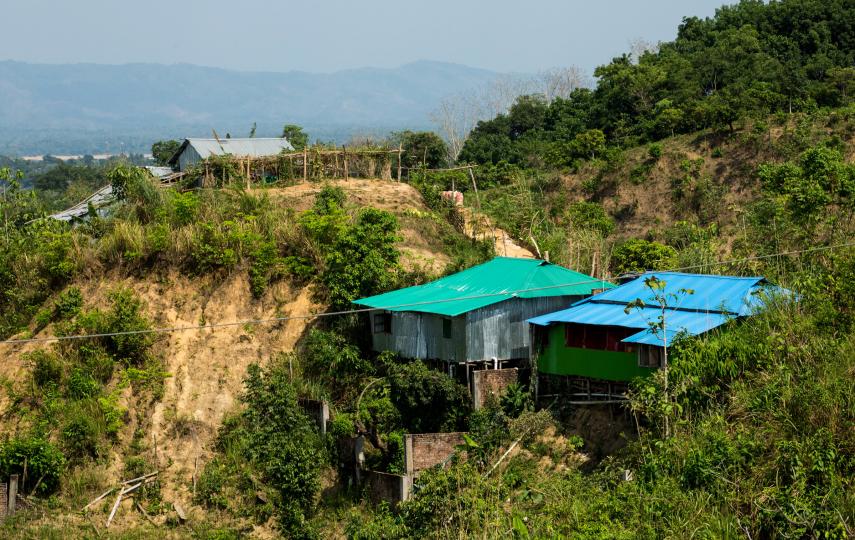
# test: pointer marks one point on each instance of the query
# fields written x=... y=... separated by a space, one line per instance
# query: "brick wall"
x=392 y=488
x=424 y=450
x=490 y=382
x=4 y=503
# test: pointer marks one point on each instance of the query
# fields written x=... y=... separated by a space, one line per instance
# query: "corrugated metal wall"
x=419 y=335
x=501 y=330
x=497 y=331
x=188 y=158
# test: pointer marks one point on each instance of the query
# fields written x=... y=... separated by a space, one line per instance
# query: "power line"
x=250 y=322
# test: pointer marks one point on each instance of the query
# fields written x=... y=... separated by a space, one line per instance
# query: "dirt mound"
x=396 y=197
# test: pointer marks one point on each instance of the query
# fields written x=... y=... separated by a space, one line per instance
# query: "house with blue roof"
x=598 y=341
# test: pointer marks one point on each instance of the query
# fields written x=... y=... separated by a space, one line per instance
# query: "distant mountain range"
x=88 y=108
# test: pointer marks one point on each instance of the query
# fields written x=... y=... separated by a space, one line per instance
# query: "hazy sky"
x=328 y=35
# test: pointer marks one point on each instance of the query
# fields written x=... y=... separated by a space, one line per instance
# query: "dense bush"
x=363 y=261
x=415 y=389
x=273 y=438
x=339 y=365
x=638 y=255
x=590 y=215
x=43 y=461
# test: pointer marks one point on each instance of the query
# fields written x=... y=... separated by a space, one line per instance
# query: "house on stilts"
x=475 y=318
x=595 y=347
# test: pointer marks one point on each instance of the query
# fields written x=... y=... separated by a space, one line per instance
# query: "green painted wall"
x=558 y=359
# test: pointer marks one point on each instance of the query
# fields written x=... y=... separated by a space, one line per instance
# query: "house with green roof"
x=477 y=315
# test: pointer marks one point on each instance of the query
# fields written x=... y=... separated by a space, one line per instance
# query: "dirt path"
x=480 y=226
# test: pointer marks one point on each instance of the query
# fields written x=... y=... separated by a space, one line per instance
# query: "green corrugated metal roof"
x=488 y=283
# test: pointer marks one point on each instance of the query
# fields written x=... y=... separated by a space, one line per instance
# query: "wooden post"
x=400 y=158
x=475 y=186
x=305 y=164
x=13 y=494
x=344 y=157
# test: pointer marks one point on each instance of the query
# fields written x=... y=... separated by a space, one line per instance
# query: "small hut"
x=599 y=342
x=477 y=315
x=193 y=151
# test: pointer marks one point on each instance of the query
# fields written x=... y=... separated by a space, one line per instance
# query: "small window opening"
x=446 y=328
x=383 y=323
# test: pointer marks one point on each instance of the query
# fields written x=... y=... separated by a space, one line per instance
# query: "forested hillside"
x=727 y=151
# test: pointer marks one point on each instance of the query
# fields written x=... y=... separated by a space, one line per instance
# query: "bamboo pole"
x=115 y=507
x=305 y=164
x=344 y=152
x=461 y=168
x=475 y=186
x=400 y=159
x=99 y=497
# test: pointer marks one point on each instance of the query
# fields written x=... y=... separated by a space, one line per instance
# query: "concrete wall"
x=319 y=411
x=351 y=456
x=424 y=450
x=490 y=382
x=392 y=488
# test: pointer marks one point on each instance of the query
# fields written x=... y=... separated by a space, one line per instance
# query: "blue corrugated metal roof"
x=716 y=299
x=614 y=315
x=729 y=294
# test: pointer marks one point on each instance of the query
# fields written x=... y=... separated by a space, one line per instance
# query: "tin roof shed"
x=489 y=283
x=201 y=149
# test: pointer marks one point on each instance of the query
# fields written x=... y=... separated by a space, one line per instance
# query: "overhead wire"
x=251 y=322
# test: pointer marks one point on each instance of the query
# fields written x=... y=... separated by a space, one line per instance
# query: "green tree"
x=415 y=388
x=423 y=148
x=591 y=216
x=281 y=441
x=807 y=188
x=638 y=255
x=162 y=151
x=127 y=179
x=843 y=81
x=363 y=261
x=590 y=143
x=659 y=326
x=296 y=136
x=668 y=117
